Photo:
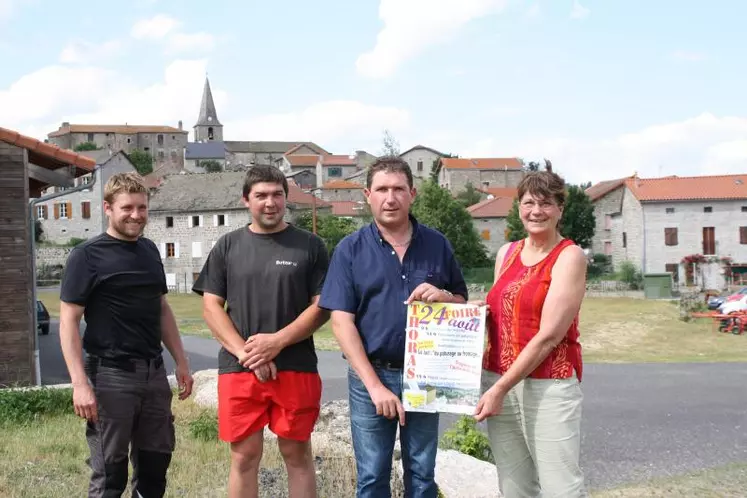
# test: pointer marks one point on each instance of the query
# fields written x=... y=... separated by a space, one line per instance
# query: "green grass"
x=729 y=481
x=613 y=330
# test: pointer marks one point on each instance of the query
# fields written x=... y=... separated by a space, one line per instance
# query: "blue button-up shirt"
x=366 y=278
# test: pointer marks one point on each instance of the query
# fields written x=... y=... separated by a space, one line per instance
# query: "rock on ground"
x=458 y=475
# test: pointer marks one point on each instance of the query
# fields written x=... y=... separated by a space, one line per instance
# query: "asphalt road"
x=640 y=421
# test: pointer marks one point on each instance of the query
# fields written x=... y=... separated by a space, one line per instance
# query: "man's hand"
x=429 y=294
x=261 y=349
x=184 y=380
x=387 y=404
x=84 y=402
x=266 y=372
x=490 y=404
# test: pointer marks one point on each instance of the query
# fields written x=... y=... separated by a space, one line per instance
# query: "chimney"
x=180 y=124
x=65 y=124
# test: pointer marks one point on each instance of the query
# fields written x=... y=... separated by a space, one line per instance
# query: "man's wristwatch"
x=448 y=293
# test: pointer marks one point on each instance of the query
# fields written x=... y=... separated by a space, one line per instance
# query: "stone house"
x=241 y=154
x=489 y=218
x=656 y=222
x=358 y=211
x=81 y=214
x=164 y=143
x=188 y=213
x=29 y=166
x=455 y=173
x=607 y=199
x=421 y=160
x=196 y=152
x=326 y=167
x=304 y=178
x=341 y=190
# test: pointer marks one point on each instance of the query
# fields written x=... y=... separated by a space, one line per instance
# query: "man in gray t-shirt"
x=260 y=287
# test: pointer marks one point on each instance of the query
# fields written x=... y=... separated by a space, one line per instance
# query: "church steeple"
x=208 y=128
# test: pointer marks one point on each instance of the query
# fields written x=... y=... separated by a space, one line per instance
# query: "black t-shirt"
x=267 y=280
x=120 y=283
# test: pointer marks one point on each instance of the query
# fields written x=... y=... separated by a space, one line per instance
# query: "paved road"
x=640 y=421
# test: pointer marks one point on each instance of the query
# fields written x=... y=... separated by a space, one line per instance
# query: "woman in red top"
x=532 y=366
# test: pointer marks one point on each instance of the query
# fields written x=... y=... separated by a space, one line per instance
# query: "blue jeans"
x=373 y=442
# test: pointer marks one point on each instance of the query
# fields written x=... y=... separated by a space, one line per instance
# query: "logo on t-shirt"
x=281 y=262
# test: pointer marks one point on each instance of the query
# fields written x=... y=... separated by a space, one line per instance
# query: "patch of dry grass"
x=49 y=459
x=613 y=330
x=722 y=482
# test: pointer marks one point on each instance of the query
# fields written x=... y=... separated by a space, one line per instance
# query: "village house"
x=306 y=179
x=188 y=213
x=489 y=218
x=656 y=222
x=455 y=173
x=29 y=166
x=421 y=160
x=164 y=143
x=341 y=190
x=80 y=215
x=326 y=167
x=358 y=211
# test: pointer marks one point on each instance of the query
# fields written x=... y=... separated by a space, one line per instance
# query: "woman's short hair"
x=543 y=185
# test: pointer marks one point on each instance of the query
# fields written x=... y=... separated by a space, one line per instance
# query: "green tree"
x=578 y=221
x=332 y=229
x=211 y=166
x=436 y=168
x=86 y=146
x=434 y=206
x=469 y=196
x=142 y=161
x=390 y=145
x=38 y=231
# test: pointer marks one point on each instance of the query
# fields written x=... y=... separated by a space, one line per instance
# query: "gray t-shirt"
x=267 y=280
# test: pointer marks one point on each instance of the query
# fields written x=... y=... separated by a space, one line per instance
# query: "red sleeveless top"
x=516 y=300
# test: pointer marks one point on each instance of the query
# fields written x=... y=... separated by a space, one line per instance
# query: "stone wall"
x=343 y=194
x=495 y=231
x=608 y=205
x=455 y=180
x=51 y=256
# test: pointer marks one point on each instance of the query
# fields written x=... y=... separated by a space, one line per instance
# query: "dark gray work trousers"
x=134 y=416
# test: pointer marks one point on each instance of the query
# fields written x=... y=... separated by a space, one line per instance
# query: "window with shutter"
x=485 y=234
x=743 y=235
x=56 y=211
x=69 y=210
x=85 y=209
x=670 y=237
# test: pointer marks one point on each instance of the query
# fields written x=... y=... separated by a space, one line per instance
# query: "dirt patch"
x=612 y=336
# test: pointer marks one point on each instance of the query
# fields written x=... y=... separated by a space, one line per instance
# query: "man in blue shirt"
x=373 y=274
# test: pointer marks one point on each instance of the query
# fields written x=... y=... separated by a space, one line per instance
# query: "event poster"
x=443 y=357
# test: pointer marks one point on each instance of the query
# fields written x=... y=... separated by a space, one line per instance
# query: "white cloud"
x=327 y=123
x=578 y=11
x=6 y=9
x=155 y=28
x=182 y=42
x=411 y=26
x=534 y=11
x=683 y=55
x=81 y=52
x=702 y=145
x=167 y=30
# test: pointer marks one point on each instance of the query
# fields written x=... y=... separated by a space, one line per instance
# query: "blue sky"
x=604 y=88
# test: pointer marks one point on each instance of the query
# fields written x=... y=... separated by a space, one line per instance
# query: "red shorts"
x=288 y=404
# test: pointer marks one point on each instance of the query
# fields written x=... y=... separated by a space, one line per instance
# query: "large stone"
x=460 y=475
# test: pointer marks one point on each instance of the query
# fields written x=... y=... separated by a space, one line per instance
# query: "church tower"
x=208 y=128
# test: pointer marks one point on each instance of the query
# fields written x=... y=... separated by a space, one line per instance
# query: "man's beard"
x=128 y=230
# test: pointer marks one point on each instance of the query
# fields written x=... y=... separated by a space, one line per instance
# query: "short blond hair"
x=124 y=183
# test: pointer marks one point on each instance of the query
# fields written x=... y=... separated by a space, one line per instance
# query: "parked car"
x=42 y=318
x=715 y=302
x=734 y=305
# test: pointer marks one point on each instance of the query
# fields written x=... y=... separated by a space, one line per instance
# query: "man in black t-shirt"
x=117 y=282
x=260 y=287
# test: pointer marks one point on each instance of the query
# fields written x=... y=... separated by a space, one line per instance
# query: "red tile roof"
x=482 y=163
x=348 y=208
x=692 y=188
x=121 y=129
x=337 y=184
x=297 y=196
x=47 y=154
x=338 y=160
x=302 y=160
x=599 y=190
x=498 y=207
x=499 y=191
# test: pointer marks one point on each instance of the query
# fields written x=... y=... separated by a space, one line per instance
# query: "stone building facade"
x=607 y=198
x=341 y=190
x=489 y=217
x=456 y=173
x=81 y=214
x=421 y=160
x=164 y=143
x=662 y=220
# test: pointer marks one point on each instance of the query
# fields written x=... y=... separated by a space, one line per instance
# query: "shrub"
x=466 y=438
x=27 y=406
x=205 y=426
x=630 y=275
